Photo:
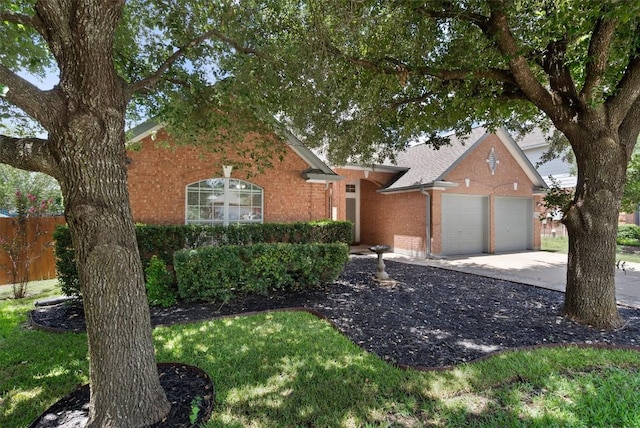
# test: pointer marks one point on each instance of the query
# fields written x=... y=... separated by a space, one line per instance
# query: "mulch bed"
x=184 y=386
x=429 y=318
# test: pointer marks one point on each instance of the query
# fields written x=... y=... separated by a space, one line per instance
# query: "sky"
x=46 y=83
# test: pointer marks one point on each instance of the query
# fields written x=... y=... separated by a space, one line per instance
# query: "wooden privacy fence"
x=40 y=240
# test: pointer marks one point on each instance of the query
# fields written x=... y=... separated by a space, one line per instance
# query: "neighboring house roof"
x=534 y=145
x=536 y=138
x=428 y=167
x=318 y=171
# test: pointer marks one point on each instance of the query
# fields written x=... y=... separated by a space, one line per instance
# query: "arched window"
x=223 y=201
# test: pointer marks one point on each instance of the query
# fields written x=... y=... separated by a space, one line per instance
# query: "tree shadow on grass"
x=37 y=369
x=291 y=369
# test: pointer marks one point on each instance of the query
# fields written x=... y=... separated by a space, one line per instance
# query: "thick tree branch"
x=599 y=46
x=523 y=75
x=553 y=62
x=146 y=84
x=630 y=127
x=40 y=105
x=30 y=154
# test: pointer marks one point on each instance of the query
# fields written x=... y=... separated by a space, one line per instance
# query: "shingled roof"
x=428 y=167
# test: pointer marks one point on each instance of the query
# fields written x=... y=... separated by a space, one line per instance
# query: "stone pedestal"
x=381 y=275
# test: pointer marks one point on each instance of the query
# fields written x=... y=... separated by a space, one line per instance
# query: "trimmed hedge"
x=164 y=240
x=221 y=273
x=160 y=290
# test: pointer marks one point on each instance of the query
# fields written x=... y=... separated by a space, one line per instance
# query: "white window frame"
x=222 y=190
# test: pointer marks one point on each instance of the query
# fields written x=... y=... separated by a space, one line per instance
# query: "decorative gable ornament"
x=492 y=161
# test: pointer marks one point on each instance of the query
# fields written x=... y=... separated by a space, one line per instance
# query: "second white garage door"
x=465 y=222
x=514 y=224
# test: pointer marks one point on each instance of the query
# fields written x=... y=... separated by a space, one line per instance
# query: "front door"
x=353 y=208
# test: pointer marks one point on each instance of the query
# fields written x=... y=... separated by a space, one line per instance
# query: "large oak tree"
x=364 y=77
x=361 y=77
x=107 y=53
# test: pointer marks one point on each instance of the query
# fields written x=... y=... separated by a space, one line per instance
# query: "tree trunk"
x=125 y=387
x=592 y=224
x=87 y=144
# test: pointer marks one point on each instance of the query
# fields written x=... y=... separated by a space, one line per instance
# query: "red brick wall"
x=393 y=219
x=399 y=219
x=481 y=181
x=500 y=183
x=158 y=178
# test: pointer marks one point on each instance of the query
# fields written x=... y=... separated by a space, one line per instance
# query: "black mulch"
x=431 y=318
x=185 y=386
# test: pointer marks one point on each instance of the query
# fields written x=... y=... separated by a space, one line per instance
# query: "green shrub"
x=160 y=290
x=629 y=242
x=628 y=234
x=66 y=270
x=221 y=273
x=162 y=241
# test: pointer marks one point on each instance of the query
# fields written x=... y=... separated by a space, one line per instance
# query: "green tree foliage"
x=557 y=199
x=362 y=79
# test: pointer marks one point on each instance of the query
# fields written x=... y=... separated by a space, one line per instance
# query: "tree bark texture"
x=125 y=389
x=87 y=141
x=592 y=223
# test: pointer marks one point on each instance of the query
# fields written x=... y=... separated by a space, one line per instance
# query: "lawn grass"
x=290 y=369
x=560 y=244
x=33 y=288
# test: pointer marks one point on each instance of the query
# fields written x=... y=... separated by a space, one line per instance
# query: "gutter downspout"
x=429 y=254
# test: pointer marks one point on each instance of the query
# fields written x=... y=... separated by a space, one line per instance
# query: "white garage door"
x=464 y=224
x=514 y=224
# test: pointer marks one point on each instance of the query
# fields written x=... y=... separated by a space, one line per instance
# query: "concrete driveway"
x=539 y=268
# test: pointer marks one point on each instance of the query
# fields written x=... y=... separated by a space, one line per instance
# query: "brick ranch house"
x=478 y=195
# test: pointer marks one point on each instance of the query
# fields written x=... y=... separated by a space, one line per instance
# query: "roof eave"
x=373 y=168
x=434 y=185
x=144 y=130
x=311 y=177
